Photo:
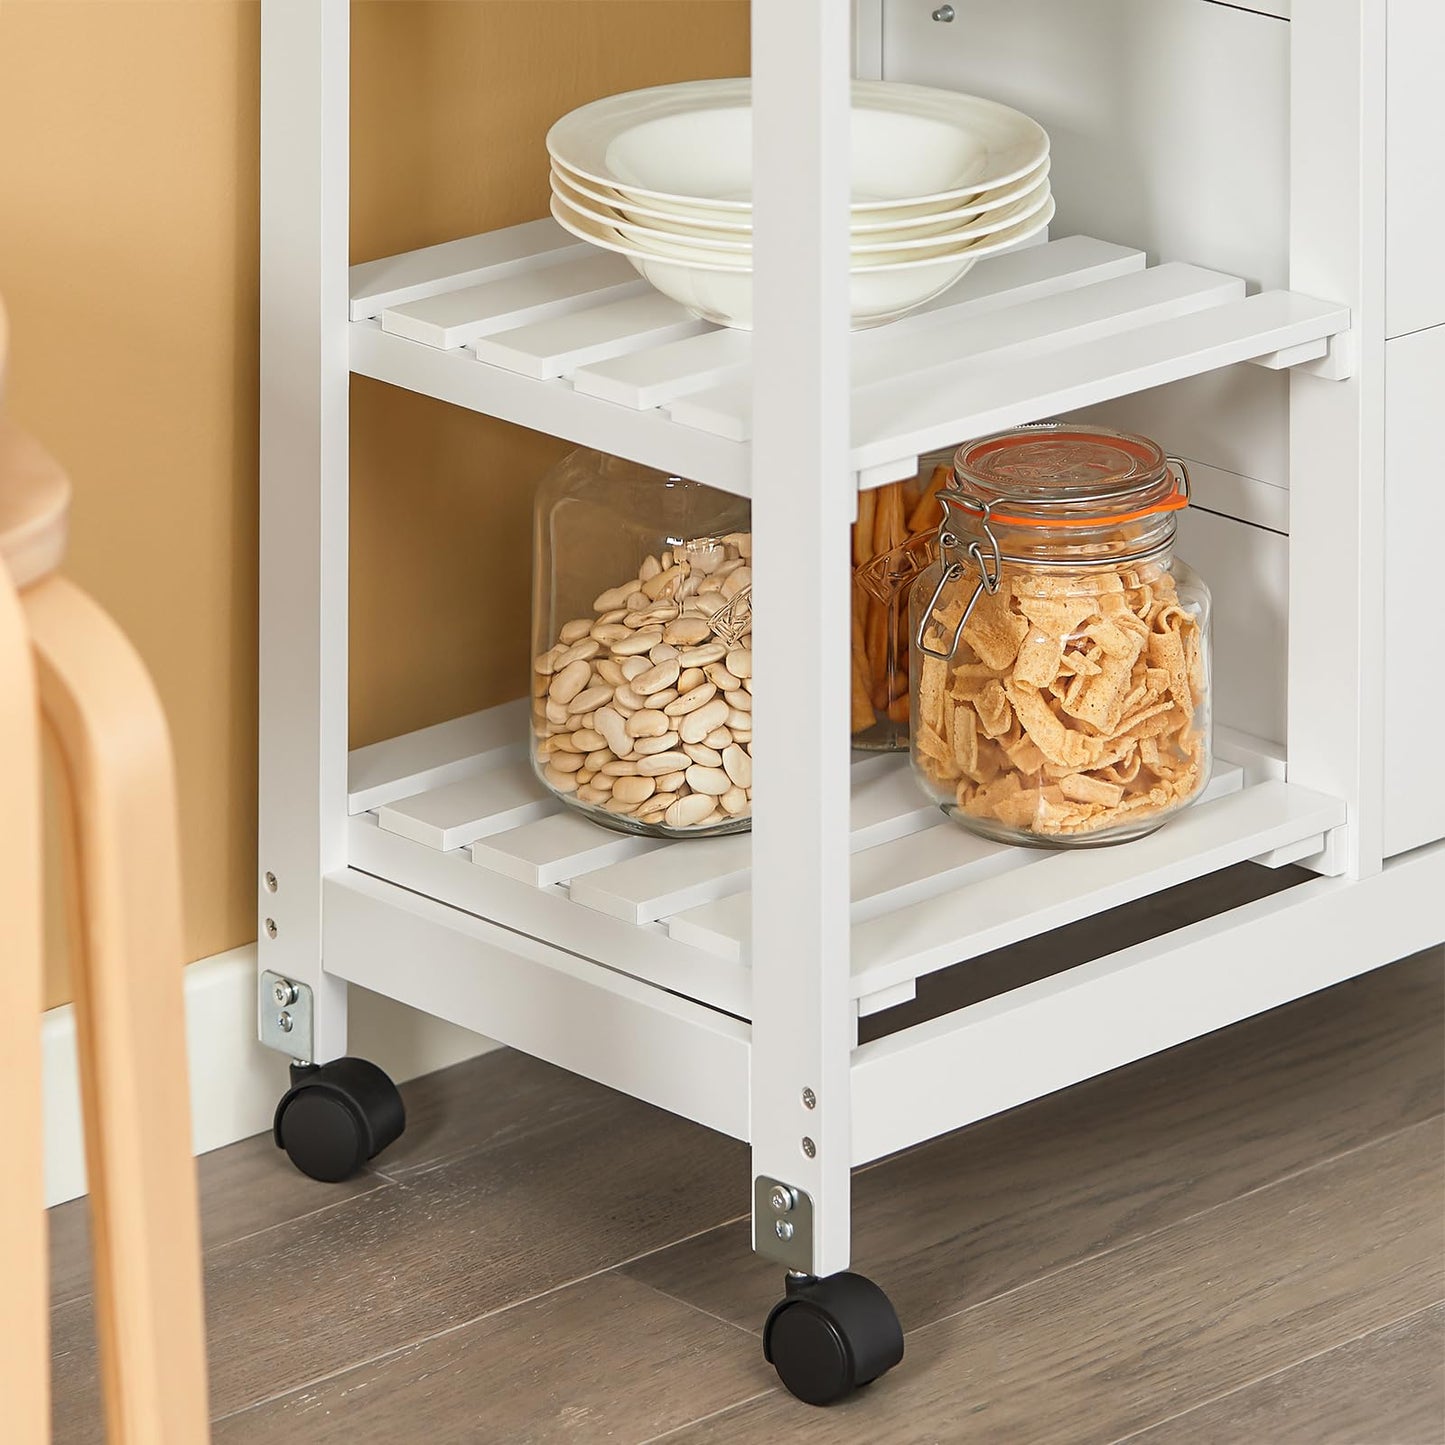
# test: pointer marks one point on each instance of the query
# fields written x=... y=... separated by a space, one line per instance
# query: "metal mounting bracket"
x=284 y=1014
x=783 y=1223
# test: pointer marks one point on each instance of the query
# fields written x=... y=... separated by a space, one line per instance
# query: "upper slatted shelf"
x=475 y=830
x=535 y=327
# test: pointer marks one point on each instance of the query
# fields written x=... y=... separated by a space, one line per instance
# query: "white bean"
x=692 y=701
x=655 y=679
x=661 y=763
x=567 y=683
x=690 y=811
x=739 y=766
x=648 y=723
x=696 y=726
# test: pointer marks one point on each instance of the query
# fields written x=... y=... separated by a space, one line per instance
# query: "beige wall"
x=128 y=203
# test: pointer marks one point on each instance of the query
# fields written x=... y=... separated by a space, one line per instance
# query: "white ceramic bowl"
x=869 y=225
x=724 y=294
x=733 y=250
x=912 y=146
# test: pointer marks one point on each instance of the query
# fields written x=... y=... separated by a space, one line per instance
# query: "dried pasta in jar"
x=1060 y=649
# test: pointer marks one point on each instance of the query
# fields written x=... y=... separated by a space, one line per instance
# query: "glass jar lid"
x=1066 y=475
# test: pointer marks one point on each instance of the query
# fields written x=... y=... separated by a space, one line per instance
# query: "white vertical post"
x=868 y=39
x=1337 y=436
x=305 y=73
x=804 y=499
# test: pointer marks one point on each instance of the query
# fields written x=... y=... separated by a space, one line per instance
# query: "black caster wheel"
x=336 y=1116
x=832 y=1336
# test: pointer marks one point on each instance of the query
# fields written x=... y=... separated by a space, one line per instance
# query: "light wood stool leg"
x=24 y=1260
x=99 y=702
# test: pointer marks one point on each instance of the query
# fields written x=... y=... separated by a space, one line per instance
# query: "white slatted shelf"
x=925 y=893
x=530 y=326
x=892 y=876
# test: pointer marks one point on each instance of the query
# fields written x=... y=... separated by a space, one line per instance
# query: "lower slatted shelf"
x=475 y=830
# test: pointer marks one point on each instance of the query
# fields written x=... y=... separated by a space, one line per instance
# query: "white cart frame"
x=664 y=994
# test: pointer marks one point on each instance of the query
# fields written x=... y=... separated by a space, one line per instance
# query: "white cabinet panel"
x=1414 y=526
x=1414 y=177
x=1169 y=119
x=1169 y=123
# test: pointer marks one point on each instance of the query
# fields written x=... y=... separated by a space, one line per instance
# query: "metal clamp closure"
x=990 y=569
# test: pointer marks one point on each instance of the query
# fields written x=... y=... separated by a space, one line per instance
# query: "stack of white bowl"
x=664 y=177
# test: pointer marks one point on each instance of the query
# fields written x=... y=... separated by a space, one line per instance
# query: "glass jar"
x=1060 y=650
x=642 y=648
x=894 y=539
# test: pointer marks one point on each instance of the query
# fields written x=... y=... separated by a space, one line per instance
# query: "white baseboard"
x=235 y=1082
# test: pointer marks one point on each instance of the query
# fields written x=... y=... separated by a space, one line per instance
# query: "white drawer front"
x=1414 y=526
x=1414 y=176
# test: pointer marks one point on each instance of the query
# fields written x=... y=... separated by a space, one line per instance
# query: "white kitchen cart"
x=1283 y=200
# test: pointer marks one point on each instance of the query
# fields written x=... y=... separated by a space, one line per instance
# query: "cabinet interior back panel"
x=1169 y=122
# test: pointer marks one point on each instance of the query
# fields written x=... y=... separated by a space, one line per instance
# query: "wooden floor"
x=1240 y=1241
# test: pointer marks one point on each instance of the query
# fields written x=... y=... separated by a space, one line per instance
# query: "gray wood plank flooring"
x=1240 y=1240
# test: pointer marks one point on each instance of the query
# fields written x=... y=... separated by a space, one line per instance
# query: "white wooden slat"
x=558 y=346
x=894 y=875
x=552 y=407
x=460 y=813
x=395 y=280
x=891 y=875
x=654 y=377
x=682 y=875
x=557 y=848
x=547 y=913
x=886 y=803
x=648 y=381
x=983 y=394
x=890 y=354
x=431 y=757
x=455 y=318
x=1060 y=888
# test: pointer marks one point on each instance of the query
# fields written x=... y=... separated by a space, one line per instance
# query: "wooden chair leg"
x=25 y=1312
x=97 y=699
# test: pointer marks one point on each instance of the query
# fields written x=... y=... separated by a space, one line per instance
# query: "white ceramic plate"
x=870 y=224
x=912 y=145
x=735 y=250
x=724 y=294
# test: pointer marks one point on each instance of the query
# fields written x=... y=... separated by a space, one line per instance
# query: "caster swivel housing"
x=336 y=1116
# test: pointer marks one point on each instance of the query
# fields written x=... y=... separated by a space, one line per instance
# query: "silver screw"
x=784 y=1229
x=284 y=993
x=809 y=1148
x=284 y=1021
x=782 y=1198
x=810 y=1099
x=944 y=14
x=270 y=928
x=270 y=881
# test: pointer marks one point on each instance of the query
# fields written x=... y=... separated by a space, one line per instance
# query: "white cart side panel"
x=578 y=1015
x=941 y=1075
x=304 y=490
x=1414 y=526
x=1414 y=177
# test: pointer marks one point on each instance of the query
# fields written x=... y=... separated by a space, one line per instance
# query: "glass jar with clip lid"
x=1060 y=670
